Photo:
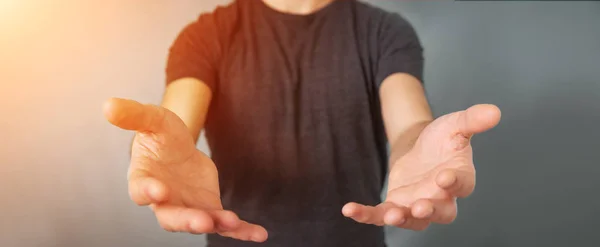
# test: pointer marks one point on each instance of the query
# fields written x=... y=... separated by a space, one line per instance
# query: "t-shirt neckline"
x=280 y=14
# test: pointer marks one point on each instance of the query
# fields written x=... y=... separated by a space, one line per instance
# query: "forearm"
x=406 y=140
x=406 y=112
x=189 y=99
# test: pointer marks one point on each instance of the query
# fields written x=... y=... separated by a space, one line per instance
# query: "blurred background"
x=63 y=167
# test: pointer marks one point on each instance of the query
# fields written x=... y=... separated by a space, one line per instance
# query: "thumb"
x=478 y=118
x=132 y=115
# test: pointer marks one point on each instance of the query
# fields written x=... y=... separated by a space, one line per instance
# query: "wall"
x=538 y=170
x=62 y=167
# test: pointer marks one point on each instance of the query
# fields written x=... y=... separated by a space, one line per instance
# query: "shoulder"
x=204 y=38
x=380 y=19
x=217 y=22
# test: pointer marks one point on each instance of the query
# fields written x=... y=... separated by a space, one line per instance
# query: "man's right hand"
x=168 y=173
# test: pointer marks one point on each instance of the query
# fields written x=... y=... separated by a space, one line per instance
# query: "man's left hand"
x=425 y=183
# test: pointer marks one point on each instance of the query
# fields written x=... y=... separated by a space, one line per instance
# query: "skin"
x=431 y=161
x=298 y=7
x=167 y=173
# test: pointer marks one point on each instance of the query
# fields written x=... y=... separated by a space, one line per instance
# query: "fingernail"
x=257 y=237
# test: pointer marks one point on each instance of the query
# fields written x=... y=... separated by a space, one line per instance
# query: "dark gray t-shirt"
x=295 y=125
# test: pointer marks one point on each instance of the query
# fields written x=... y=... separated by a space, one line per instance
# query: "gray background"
x=62 y=167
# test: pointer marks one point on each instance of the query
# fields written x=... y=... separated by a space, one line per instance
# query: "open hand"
x=168 y=173
x=424 y=184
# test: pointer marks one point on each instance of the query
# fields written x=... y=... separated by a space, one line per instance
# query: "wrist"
x=406 y=141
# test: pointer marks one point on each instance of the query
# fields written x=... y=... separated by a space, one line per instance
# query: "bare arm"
x=189 y=99
x=406 y=112
x=425 y=178
x=168 y=173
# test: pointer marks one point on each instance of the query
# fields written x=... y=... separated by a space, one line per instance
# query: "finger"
x=144 y=190
x=422 y=209
x=132 y=115
x=401 y=217
x=441 y=211
x=397 y=216
x=415 y=224
x=478 y=118
x=459 y=183
x=180 y=219
x=225 y=220
x=247 y=232
x=367 y=214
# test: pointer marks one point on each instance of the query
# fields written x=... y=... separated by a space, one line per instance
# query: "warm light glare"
x=8 y=8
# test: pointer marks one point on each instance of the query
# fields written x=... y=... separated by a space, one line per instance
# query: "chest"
x=322 y=66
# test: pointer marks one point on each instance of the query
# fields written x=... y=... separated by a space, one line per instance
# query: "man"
x=299 y=99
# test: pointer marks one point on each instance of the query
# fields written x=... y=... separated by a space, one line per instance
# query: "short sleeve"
x=195 y=52
x=400 y=50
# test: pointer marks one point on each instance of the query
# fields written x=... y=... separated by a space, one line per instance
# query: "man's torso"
x=294 y=126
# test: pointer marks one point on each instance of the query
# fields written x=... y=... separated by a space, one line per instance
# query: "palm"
x=424 y=183
x=406 y=193
x=438 y=149
x=170 y=175
x=171 y=158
